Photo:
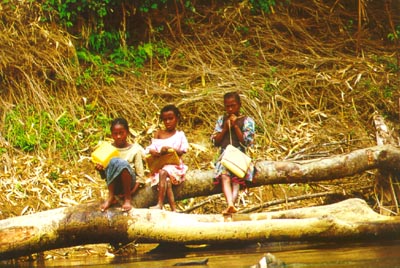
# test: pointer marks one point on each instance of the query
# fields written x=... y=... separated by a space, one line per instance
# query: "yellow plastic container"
x=103 y=154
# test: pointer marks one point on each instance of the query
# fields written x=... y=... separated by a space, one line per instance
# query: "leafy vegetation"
x=39 y=132
x=263 y=5
x=104 y=52
x=395 y=35
x=119 y=61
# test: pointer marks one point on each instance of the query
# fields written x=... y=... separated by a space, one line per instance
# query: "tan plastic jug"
x=103 y=154
x=236 y=161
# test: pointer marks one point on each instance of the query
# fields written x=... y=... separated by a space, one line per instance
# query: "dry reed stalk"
x=297 y=72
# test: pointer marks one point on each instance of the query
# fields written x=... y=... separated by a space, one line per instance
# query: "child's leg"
x=235 y=191
x=227 y=189
x=111 y=197
x=126 y=186
x=162 y=187
x=170 y=196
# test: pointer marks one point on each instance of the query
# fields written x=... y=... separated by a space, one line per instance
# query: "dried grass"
x=298 y=72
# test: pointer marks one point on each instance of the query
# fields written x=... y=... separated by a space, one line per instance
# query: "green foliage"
x=98 y=120
x=349 y=26
x=270 y=83
x=9 y=3
x=53 y=175
x=242 y=29
x=262 y=5
x=65 y=134
x=29 y=132
x=103 y=53
x=266 y=6
x=104 y=41
x=388 y=91
x=69 y=11
x=390 y=63
x=20 y=131
x=121 y=59
x=93 y=67
x=189 y=6
x=394 y=36
x=376 y=91
x=147 y=5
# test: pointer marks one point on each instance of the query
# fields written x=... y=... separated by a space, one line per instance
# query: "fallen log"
x=351 y=219
x=386 y=181
x=200 y=182
x=84 y=224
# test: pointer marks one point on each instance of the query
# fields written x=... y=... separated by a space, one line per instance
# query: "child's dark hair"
x=233 y=94
x=120 y=121
x=172 y=108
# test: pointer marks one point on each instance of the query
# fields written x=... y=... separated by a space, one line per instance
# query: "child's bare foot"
x=156 y=207
x=231 y=209
x=127 y=205
x=172 y=206
x=108 y=203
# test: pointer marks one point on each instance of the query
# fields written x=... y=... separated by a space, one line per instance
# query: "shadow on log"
x=352 y=219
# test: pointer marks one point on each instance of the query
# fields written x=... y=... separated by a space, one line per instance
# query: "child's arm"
x=139 y=170
x=154 y=152
x=184 y=145
x=152 y=149
x=101 y=170
x=139 y=166
x=136 y=187
x=221 y=128
x=180 y=152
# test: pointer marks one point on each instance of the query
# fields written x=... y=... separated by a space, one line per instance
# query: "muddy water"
x=371 y=254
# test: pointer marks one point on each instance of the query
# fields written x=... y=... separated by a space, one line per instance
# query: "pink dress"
x=179 y=142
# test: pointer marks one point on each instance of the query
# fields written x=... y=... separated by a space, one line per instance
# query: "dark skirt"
x=113 y=173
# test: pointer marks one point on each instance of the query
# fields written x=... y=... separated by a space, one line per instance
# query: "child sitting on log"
x=124 y=174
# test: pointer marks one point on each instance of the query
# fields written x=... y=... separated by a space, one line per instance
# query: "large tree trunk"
x=200 y=183
x=348 y=220
x=85 y=224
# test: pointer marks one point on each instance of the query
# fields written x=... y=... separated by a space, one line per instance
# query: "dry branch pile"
x=311 y=81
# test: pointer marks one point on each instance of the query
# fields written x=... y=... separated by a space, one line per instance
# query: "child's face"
x=170 y=120
x=232 y=106
x=119 y=134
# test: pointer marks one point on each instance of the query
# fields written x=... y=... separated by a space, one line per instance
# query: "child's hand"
x=166 y=149
x=99 y=167
x=232 y=120
x=154 y=153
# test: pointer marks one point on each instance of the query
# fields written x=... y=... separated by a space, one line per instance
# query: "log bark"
x=386 y=181
x=351 y=219
x=200 y=182
x=84 y=224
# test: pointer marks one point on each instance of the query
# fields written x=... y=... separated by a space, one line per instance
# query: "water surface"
x=376 y=254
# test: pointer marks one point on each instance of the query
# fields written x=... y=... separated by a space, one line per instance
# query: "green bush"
x=33 y=130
